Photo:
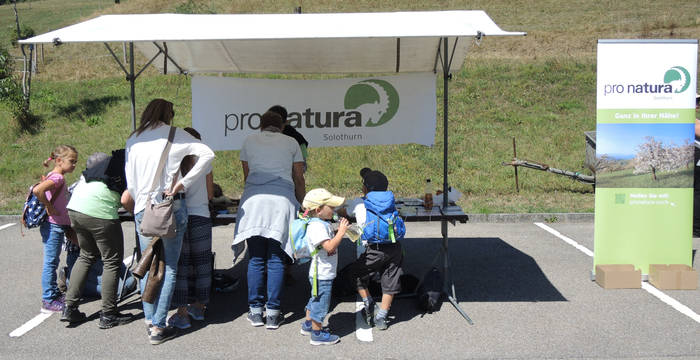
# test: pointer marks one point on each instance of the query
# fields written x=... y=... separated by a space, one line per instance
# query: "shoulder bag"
x=158 y=218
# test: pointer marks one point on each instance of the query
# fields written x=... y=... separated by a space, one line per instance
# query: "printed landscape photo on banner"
x=644 y=156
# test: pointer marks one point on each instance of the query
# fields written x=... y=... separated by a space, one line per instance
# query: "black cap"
x=374 y=180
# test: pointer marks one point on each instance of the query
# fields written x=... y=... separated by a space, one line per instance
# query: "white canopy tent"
x=288 y=43
x=345 y=43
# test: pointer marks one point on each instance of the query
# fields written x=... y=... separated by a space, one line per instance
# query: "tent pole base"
x=459 y=309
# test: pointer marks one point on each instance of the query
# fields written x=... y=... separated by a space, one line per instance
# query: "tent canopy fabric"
x=289 y=43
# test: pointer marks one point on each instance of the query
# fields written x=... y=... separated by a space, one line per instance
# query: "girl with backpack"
x=53 y=193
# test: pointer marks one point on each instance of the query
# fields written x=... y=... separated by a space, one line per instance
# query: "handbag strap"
x=161 y=164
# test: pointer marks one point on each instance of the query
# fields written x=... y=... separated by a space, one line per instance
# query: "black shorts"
x=384 y=259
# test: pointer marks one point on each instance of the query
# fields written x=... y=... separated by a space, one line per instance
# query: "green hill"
x=539 y=89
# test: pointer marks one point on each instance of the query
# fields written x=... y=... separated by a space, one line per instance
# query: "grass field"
x=682 y=178
x=539 y=89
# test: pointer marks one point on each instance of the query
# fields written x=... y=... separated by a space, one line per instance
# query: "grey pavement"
x=528 y=293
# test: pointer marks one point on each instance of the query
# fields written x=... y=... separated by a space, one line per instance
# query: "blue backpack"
x=34 y=212
x=301 y=248
x=383 y=223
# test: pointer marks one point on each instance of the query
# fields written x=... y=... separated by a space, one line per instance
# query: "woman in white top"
x=143 y=151
x=273 y=170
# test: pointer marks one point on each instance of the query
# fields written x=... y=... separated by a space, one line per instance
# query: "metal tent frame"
x=402 y=27
x=441 y=57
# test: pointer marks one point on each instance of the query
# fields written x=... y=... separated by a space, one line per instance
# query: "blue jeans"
x=264 y=251
x=52 y=237
x=158 y=311
x=318 y=305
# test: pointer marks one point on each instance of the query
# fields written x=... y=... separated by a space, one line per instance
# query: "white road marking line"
x=671 y=301
x=30 y=324
x=37 y=320
x=567 y=240
x=6 y=226
x=363 y=332
x=646 y=286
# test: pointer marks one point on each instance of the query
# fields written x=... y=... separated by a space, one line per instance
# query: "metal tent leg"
x=449 y=287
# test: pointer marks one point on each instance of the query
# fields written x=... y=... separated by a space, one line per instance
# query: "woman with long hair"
x=143 y=151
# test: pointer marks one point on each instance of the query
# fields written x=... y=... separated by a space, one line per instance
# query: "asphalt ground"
x=527 y=291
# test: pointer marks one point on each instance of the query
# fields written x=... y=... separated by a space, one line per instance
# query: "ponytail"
x=61 y=151
x=47 y=161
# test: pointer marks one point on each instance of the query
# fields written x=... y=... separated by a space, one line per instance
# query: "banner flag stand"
x=644 y=152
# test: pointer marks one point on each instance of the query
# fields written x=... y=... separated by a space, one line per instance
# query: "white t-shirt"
x=318 y=232
x=272 y=153
x=143 y=153
x=197 y=198
x=356 y=208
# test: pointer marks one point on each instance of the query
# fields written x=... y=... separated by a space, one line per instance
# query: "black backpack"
x=429 y=293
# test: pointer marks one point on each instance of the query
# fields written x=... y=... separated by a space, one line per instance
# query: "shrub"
x=12 y=97
x=25 y=33
x=192 y=7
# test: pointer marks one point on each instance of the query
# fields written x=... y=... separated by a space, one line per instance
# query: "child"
x=320 y=203
x=382 y=254
x=193 y=280
x=53 y=230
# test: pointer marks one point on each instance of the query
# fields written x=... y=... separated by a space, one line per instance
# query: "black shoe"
x=164 y=335
x=273 y=322
x=115 y=319
x=369 y=312
x=72 y=315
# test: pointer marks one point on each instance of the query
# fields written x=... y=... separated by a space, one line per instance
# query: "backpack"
x=383 y=223
x=301 y=248
x=429 y=292
x=34 y=212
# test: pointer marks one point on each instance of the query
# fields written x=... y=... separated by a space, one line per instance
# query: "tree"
x=651 y=157
x=10 y=92
x=19 y=99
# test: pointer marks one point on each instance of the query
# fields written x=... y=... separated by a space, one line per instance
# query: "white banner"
x=644 y=149
x=646 y=74
x=337 y=112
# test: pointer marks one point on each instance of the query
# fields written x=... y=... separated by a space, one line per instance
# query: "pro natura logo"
x=369 y=103
x=374 y=98
x=678 y=77
x=675 y=80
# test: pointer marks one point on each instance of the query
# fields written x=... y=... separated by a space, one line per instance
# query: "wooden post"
x=34 y=66
x=515 y=156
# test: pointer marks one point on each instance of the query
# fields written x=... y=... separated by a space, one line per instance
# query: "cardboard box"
x=618 y=276
x=673 y=277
